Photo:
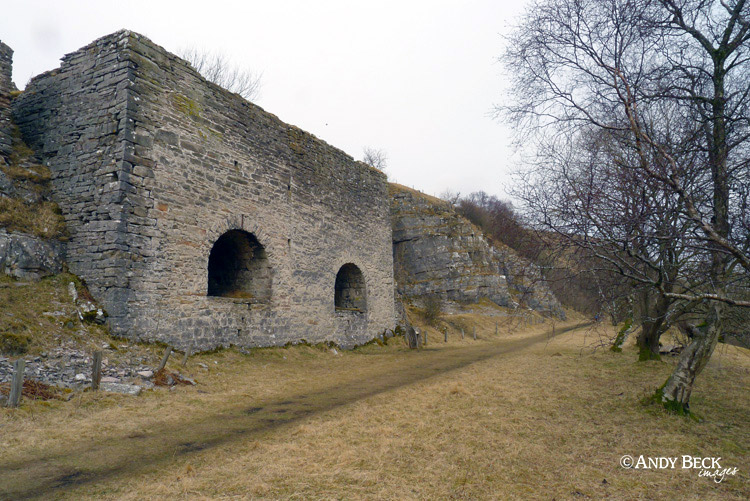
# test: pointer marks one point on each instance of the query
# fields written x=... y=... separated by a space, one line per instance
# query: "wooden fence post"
x=445 y=333
x=16 y=385
x=462 y=334
x=96 y=370
x=474 y=332
x=164 y=359
x=496 y=327
x=188 y=352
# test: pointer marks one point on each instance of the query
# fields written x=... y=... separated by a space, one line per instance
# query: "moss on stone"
x=297 y=140
x=187 y=106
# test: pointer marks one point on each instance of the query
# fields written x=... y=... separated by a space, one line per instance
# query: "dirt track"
x=50 y=475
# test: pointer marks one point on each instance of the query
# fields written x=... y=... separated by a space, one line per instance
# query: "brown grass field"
x=520 y=415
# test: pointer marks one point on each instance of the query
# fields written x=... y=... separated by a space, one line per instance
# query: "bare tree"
x=450 y=196
x=216 y=67
x=374 y=157
x=639 y=110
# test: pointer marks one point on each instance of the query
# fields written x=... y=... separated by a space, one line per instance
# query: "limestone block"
x=27 y=256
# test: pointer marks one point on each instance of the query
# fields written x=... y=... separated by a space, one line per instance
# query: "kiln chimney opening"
x=238 y=267
x=350 y=291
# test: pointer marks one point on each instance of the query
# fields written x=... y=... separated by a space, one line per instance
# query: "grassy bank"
x=517 y=415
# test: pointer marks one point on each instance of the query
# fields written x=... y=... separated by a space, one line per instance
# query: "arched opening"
x=350 y=291
x=238 y=267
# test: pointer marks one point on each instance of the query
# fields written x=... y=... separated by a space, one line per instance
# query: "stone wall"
x=77 y=120
x=438 y=252
x=152 y=165
x=6 y=86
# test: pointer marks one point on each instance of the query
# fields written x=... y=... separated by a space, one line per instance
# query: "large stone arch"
x=239 y=262
x=350 y=289
x=238 y=267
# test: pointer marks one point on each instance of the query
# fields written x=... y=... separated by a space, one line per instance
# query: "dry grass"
x=37 y=174
x=44 y=313
x=394 y=187
x=41 y=219
x=513 y=417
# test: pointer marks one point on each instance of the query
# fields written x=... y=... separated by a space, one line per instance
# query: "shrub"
x=433 y=309
x=14 y=343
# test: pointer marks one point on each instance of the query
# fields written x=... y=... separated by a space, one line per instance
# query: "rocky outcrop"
x=26 y=256
x=29 y=223
x=6 y=86
x=438 y=252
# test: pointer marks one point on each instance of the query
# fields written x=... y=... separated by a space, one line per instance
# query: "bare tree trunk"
x=622 y=335
x=675 y=394
x=648 y=341
x=653 y=326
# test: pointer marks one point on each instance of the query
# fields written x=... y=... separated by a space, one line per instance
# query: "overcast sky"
x=417 y=79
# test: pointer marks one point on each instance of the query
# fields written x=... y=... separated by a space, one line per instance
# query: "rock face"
x=21 y=255
x=28 y=257
x=6 y=86
x=197 y=218
x=438 y=252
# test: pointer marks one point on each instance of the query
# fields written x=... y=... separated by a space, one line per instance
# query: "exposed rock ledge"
x=29 y=257
x=438 y=252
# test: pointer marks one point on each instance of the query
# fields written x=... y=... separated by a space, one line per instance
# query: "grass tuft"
x=14 y=343
x=644 y=355
x=41 y=219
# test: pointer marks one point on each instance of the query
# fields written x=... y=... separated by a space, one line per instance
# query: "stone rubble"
x=67 y=367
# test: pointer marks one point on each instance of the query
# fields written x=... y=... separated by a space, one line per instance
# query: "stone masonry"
x=168 y=183
x=6 y=86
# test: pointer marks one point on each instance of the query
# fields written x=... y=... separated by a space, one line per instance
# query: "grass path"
x=517 y=415
x=52 y=472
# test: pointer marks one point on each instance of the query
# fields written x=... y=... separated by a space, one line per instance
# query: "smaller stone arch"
x=350 y=292
x=238 y=267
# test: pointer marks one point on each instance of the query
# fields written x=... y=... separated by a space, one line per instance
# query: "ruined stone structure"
x=197 y=218
x=6 y=86
x=438 y=252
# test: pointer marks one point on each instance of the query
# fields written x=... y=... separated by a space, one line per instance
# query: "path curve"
x=52 y=475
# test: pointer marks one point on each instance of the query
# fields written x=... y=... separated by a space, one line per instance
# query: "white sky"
x=417 y=79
